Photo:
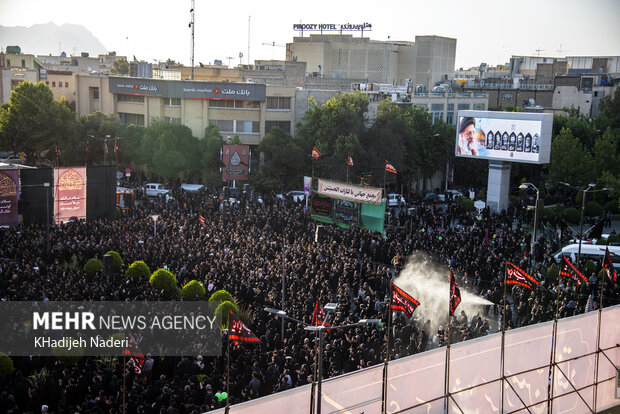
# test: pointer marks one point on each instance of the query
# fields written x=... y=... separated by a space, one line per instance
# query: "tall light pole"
x=525 y=186
x=329 y=308
x=583 y=207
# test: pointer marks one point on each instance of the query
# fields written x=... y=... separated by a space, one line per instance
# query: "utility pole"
x=191 y=25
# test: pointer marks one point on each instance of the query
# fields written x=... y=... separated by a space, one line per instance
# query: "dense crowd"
x=240 y=248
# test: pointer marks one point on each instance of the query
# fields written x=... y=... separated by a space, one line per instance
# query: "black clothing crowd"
x=240 y=249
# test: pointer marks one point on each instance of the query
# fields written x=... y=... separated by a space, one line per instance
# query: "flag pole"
x=503 y=339
x=554 y=338
x=446 y=388
x=387 y=351
x=227 y=371
x=598 y=338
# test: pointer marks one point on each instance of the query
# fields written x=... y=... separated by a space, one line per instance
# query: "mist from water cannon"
x=429 y=284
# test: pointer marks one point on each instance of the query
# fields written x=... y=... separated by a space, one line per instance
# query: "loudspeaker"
x=108 y=267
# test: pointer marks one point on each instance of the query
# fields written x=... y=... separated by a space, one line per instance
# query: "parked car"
x=430 y=198
x=155 y=190
x=395 y=200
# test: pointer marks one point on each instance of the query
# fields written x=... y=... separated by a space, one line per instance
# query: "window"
x=463 y=107
x=450 y=118
x=131 y=99
x=53 y=84
x=234 y=104
x=66 y=84
x=135 y=119
x=284 y=125
x=437 y=116
x=8 y=63
x=479 y=107
x=436 y=107
x=279 y=103
x=236 y=126
x=450 y=107
x=172 y=101
x=248 y=127
x=506 y=96
x=172 y=120
x=23 y=63
x=223 y=125
x=94 y=94
x=47 y=82
x=60 y=84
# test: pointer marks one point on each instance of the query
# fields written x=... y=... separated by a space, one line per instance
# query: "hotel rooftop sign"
x=329 y=27
x=188 y=89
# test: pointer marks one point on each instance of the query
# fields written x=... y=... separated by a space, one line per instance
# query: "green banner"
x=373 y=217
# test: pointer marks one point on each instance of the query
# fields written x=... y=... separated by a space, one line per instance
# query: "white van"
x=590 y=251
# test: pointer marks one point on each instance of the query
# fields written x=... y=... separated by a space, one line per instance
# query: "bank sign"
x=188 y=89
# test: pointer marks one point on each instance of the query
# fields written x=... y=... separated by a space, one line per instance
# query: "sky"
x=488 y=31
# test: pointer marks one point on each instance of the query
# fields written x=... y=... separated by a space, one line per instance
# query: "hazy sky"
x=486 y=30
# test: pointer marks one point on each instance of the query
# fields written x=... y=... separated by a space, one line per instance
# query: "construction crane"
x=273 y=48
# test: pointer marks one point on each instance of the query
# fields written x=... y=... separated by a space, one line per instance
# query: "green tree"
x=138 y=270
x=169 y=149
x=120 y=66
x=35 y=121
x=610 y=109
x=193 y=289
x=92 y=266
x=570 y=162
x=606 y=153
x=282 y=167
x=165 y=281
x=338 y=123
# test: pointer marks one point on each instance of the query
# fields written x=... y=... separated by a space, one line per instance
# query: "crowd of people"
x=241 y=247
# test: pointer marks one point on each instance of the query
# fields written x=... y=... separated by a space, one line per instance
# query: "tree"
x=210 y=147
x=606 y=153
x=35 y=121
x=283 y=166
x=610 y=109
x=333 y=127
x=169 y=149
x=570 y=162
x=120 y=66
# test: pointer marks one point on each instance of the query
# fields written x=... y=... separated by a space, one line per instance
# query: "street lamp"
x=525 y=186
x=329 y=308
x=583 y=207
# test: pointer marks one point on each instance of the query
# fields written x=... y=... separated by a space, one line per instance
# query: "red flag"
x=455 y=294
x=115 y=145
x=57 y=150
x=350 y=161
x=609 y=266
x=202 y=221
x=402 y=301
x=105 y=146
x=315 y=153
x=238 y=332
x=318 y=316
x=516 y=276
x=567 y=269
x=389 y=167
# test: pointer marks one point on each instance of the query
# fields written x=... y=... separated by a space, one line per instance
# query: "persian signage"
x=236 y=162
x=350 y=192
x=69 y=194
x=9 y=194
x=330 y=27
x=188 y=89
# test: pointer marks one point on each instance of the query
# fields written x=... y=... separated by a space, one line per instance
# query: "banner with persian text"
x=69 y=194
x=350 y=192
x=236 y=160
x=9 y=194
x=346 y=213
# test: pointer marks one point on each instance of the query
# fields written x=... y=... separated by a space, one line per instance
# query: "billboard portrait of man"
x=467 y=136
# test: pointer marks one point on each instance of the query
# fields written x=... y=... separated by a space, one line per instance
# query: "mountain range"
x=49 y=38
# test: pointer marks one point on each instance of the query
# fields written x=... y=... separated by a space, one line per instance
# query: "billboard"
x=9 y=195
x=504 y=136
x=69 y=194
x=236 y=160
x=350 y=192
